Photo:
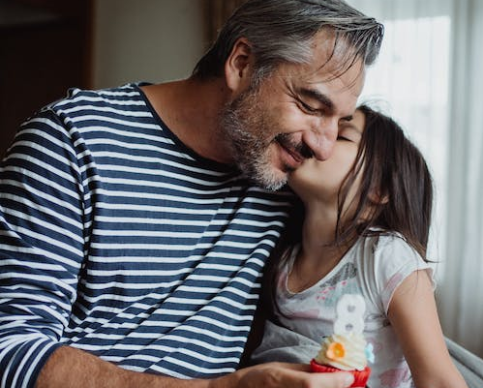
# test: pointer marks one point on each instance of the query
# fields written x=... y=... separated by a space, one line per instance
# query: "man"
x=136 y=221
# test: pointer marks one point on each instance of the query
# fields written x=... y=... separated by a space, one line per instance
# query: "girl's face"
x=321 y=180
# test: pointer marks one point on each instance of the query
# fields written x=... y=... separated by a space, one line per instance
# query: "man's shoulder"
x=122 y=96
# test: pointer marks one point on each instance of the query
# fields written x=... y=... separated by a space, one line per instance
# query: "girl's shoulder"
x=386 y=259
x=380 y=241
x=385 y=253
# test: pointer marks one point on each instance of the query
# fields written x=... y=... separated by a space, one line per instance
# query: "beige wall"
x=146 y=40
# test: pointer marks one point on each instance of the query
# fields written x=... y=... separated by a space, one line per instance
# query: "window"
x=410 y=81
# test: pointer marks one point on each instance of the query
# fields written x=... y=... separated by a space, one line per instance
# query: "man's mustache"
x=298 y=147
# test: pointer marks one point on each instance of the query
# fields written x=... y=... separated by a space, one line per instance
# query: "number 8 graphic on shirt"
x=350 y=315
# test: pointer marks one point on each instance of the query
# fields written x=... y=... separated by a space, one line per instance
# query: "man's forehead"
x=337 y=71
x=346 y=83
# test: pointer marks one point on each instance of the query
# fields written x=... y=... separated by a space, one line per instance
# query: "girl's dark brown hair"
x=395 y=195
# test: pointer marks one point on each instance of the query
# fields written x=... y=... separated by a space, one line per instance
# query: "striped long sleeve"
x=42 y=245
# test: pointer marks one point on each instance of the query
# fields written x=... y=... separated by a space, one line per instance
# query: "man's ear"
x=238 y=65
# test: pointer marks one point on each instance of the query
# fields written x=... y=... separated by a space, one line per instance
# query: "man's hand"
x=77 y=369
x=282 y=375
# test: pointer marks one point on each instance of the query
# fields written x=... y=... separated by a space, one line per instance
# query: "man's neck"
x=191 y=110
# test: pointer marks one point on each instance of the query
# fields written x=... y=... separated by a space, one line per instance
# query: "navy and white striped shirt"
x=117 y=239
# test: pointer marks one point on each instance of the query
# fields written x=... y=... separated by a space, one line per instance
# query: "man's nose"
x=322 y=139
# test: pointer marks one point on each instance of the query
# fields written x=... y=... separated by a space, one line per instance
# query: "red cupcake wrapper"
x=360 y=376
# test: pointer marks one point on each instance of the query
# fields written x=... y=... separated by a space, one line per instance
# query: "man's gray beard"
x=251 y=152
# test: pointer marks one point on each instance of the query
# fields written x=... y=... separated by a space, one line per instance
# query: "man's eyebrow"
x=320 y=97
x=323 y=99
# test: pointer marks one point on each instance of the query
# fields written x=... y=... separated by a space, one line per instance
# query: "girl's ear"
x=378 y=199
x=238 y=65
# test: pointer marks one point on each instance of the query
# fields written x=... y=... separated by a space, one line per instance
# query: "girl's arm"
x=414 y=316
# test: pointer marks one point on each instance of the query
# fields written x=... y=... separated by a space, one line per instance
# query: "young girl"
x=362 y=229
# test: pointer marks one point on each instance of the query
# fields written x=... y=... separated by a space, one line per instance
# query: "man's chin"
x=272 y=180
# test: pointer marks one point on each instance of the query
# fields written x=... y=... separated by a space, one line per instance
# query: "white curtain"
x=461 y=297
x=429 y=77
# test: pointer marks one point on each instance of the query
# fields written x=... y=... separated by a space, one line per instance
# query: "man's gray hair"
x=281 y=31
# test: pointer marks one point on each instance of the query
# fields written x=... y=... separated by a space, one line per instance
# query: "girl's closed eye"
x=350 y=132
x=349 y=135
x=343 y=138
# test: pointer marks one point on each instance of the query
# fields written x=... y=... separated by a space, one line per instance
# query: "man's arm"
x=73 y=368
x=70 y=367
x=42 y=245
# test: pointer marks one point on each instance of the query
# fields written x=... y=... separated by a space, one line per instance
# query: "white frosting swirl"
x=346 y=352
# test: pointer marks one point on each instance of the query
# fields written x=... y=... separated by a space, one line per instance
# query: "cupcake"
x=344 y=353
x=346 y=350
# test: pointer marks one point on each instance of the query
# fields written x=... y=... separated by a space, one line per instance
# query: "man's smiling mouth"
x=298 y=151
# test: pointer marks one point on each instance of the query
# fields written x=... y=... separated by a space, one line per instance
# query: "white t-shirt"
x=374 y=267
